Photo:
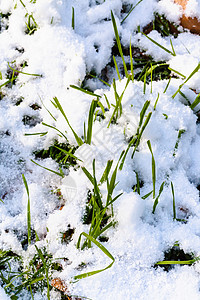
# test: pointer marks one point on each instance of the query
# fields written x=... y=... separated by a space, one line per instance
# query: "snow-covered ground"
x=63 y=56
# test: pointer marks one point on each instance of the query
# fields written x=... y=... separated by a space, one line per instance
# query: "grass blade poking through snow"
x=174 y=204
x=102 y=248
x=28 y=211
x=192 y=74
x=157 y=198
x=181 y=131
x=57 y=173
x=93 y=106
x=84 y=91
x=159 y=45
x=153 y=169
x=196 y=102
x=130 y=11
x=119 y=43
x=58 y=105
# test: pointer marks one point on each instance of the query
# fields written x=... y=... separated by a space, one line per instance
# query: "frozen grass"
x=27 y=271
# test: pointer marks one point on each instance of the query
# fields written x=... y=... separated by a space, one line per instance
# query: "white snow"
x=64 y=57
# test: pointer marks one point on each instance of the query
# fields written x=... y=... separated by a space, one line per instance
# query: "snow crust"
x=63 y=57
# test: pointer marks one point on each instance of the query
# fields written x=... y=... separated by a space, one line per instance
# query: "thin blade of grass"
x=116 y=67
x=90 y=121
x=141 y=132
x=78 y=139
x=131 y=62
x=36 y=133
x=167 y=85
x=106 y=171
x=196 y=102
x=157 y=198
x=119 y=43
x=157 y=44
x=177 y=72
x=192 y=74
x=28 y=210
x=130 y=11
x=50 y=126
x=102 y=248
x=154 y=108
x=89 y=176
x=59 y=174
x=17 y=71
x=84 y=91
x=174 y=204
x=181 y=131
x=153 y=169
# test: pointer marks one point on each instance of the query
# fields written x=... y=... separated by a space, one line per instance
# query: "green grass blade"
x=17 y=71
x=153 y=169
x=154 y=108
x=181 y=131
x=89 y=176
x=157 y=44
x=119 y=43
x=90 y=121
x=73 y=20
x=103 y=249
x=36 y=133
x=157 y=198
x=192 y=74
x=167 y=85
x=144 y=88
x=106 y=171
x=180 y=74
x=116 y=67
x=130 y=11
x=108 y=103
x=84 y=91
x=172 y=47
x=174 y=204
x=131 y=62
x=59 y=174
x=106 y=83
x=141 y=132
x=175 y=262
x=78 y=139
x=147 y=195
x=50 y=126
x=28 y=211
x=196 y=102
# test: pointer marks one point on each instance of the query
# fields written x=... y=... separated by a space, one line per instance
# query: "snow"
x=64 y=57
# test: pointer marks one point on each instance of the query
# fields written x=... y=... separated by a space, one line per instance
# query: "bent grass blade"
x=102 y=248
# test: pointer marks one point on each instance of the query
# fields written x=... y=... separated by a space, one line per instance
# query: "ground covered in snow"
x=145 y=127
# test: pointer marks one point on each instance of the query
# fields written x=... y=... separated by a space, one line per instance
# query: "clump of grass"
x=96 y=209
x=31 y=24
